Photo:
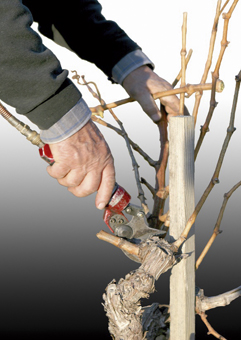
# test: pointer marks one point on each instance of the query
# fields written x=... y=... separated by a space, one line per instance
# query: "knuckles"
x=83 y=190
x=81 y=193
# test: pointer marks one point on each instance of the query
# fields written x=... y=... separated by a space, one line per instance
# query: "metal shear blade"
x=137 y=230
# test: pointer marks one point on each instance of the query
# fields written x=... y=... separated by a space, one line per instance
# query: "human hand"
x=84 y=164
x=141 y=83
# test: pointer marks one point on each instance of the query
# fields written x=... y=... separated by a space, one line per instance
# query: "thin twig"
x=94 y=94
x=211 y=330
x=135 y=146
x=149 y=187
x=180 y=73
x=198 y=94
x=215 y=76
x=224 y=42
x=104 y=123
x=189 y=89
x=141 y=195
x=216 y=230
x=214 y=179
x=222 y=9
x=183 y=63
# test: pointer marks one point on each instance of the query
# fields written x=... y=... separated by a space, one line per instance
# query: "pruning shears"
x=136 y=230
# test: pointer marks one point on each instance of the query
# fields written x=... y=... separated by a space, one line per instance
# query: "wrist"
x=69 y=124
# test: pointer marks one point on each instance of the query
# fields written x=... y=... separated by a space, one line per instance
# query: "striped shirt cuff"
x=80 y=114
x=129 y=63
x=70 y=123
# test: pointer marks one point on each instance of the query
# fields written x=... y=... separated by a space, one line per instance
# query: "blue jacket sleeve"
x=84 y=30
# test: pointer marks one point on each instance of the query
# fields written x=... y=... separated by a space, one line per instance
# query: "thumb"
x=106 y=187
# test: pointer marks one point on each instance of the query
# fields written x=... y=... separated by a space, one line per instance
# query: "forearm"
x=85 y=30
x=33 y=80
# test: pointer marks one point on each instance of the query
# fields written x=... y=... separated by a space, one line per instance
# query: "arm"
x=33 y=82
x=86 y=31
x=46 y=96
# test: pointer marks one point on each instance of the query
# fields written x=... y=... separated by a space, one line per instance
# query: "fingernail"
x=101 y=205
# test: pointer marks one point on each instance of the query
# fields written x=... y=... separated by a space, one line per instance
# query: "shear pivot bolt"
x=140 y=214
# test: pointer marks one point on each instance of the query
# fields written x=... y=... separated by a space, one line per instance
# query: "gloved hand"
x=141 y=83
x=84 y=164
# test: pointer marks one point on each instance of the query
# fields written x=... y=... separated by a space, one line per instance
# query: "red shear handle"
x=46 y=154
x=118 y=202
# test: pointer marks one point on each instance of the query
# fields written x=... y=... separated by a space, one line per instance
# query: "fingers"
x=58 y=171
x=82 y=184
x=88 y=185
x=73 y=178
x=93 y=181
x=171 y=104
x=142 y=83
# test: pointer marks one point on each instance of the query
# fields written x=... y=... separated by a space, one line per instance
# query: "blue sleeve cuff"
x=129 y=63
x=70 y=123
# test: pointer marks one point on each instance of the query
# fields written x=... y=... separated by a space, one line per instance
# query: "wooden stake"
x=181 y=185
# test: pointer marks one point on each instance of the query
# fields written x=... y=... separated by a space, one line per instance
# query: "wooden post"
x=182 y=204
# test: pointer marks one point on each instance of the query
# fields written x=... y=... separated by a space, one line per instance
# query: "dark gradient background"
x=53 y=268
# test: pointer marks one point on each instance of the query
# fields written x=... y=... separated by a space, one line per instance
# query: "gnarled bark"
x=122 y=299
